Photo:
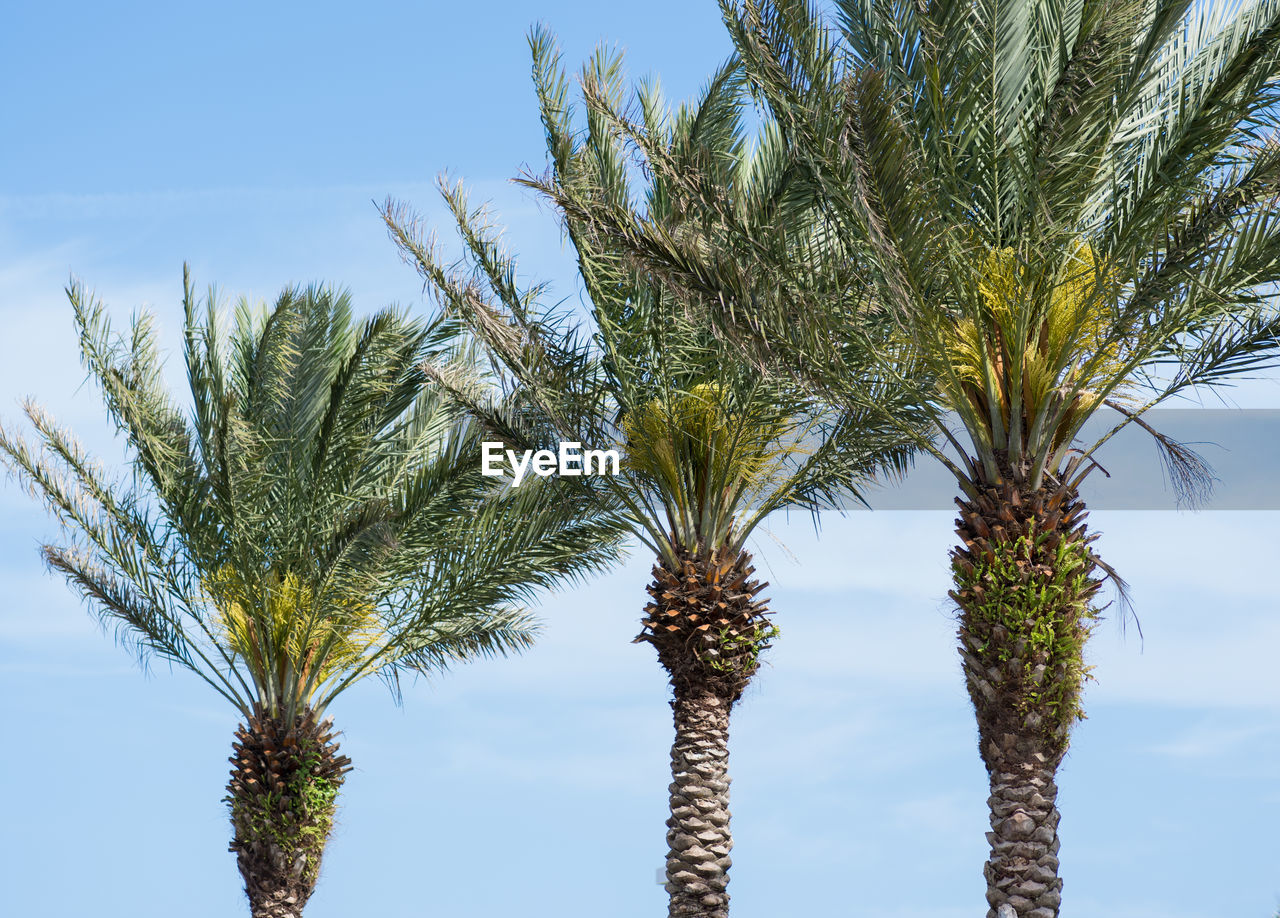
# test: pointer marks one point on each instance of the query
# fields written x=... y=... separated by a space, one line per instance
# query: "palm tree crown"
x=712 y=444
x=317 y=520
x=1065 y=207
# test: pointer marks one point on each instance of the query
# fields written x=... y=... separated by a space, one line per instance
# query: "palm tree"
x=318 y=516
x=1067 y=210
x=710 y=446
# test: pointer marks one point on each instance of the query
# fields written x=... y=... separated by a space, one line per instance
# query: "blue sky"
x=251 y=143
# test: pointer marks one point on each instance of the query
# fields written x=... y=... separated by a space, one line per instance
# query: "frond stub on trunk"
x=707 y=623
x=282 y=796
x=1025 y=576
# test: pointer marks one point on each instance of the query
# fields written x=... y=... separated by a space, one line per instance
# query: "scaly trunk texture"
x=1024 y=577
x=282 y=796
x=698 y=835
x=709 y=630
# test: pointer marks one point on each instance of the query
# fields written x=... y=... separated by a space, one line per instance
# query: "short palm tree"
x=1066 y=210
x=710 y=446
x=317 y=517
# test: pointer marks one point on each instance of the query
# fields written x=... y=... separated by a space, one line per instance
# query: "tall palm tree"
x=1068 y=210
x=710 y=446
x=317 y=517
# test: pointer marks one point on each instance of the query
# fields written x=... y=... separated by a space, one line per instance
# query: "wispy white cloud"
x=52 y=670
x=1215 y=740
x=937 y=815
x=41 y=612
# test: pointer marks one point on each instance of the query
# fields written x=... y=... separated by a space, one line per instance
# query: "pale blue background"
x=251 y=143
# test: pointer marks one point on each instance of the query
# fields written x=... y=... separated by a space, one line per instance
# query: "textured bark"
x=698 y=834
x=709 y=630
x=1025 y=582
x=275 y=903
x=282 y=796
x=1022 y=870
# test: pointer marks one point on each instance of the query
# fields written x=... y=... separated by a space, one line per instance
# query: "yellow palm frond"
x=700 y=429
x=711 y=459
x=280 y=625
x=1036 y=343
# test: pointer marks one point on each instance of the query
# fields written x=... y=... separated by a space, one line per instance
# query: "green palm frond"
x=713 y=439
x=316 y=515
x=1113 y=162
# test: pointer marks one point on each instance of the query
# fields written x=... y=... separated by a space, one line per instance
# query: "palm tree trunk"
x=698 y=834
x=282 y=796
x=1024 y=584
x=1022 y=869
x=271 y=899
x=709 y=630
